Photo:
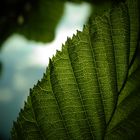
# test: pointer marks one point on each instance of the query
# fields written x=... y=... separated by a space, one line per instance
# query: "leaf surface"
x=91 y=88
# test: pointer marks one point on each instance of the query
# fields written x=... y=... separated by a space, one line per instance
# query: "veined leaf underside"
x=91 y=88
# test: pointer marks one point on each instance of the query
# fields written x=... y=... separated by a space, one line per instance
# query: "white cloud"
x=75 y=15
x=5 y=95
x=20 y=82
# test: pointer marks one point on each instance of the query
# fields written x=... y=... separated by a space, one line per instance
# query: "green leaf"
x=91 y=89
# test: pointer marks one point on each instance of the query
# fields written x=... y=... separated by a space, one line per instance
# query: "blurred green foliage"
x=37 y=19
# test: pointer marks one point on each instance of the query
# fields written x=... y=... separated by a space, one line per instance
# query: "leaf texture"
x=91 y=89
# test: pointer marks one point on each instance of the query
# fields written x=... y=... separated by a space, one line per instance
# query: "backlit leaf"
x=91 y=89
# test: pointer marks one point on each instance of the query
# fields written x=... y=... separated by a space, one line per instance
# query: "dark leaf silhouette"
x=36 y=19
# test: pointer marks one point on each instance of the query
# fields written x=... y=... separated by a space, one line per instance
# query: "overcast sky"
x=24 y=62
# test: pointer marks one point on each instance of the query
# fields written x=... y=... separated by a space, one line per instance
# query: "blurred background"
x=27 y=41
